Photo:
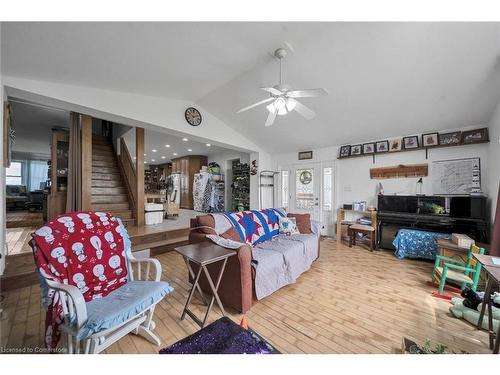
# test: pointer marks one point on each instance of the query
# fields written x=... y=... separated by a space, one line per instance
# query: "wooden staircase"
x=109 y=193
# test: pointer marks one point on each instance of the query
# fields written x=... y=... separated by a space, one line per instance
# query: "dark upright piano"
x=445 y=214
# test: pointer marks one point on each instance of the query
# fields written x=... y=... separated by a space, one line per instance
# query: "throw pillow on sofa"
x=303 y=222
x=288 y=225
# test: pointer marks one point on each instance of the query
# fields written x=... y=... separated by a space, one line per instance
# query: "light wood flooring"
x=17 y=219
x=18 y=238
x=350 y=301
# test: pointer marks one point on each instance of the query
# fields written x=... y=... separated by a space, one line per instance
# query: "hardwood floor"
x=18 y=219
x=350 y=301
x=18 y=238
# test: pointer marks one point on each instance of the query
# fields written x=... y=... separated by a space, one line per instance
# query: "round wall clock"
x=193 y=116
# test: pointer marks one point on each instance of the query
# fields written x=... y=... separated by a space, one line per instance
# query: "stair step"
x=108 y=190
x=106 y=176
x=105 y=207
x=128 y=222
x=99 y=147
x=108 y=156
x=104 y=163
x=107 y=183
x=122 y=214
x=100 y=139
x=103 y=170
x=117 y=198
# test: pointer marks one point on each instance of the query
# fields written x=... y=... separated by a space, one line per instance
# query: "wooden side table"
x=449 y=249
x=493 y=275
x=203 y=254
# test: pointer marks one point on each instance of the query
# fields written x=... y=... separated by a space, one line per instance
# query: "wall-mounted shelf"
x=400 y=171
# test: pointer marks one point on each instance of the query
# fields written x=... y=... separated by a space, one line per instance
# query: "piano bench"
x=368 y=230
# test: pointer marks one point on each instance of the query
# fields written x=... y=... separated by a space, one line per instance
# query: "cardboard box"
x=462 y=240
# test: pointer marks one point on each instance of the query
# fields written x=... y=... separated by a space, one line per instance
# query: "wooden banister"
x=126 y=165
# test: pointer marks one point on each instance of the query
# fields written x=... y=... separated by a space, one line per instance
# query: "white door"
x=305 y=190
x=308 y=188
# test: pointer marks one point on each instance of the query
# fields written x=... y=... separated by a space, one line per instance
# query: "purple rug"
x=222 y=337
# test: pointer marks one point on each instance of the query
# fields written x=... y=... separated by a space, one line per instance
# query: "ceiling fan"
x=283 y=99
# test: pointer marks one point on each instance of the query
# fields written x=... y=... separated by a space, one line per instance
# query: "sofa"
x=257 y=271
x=16 y=197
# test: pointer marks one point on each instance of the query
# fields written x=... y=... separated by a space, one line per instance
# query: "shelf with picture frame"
x=423 y=141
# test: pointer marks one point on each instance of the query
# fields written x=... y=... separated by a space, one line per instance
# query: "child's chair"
x=463 y=272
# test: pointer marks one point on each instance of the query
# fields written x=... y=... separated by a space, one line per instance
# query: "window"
x=304 y=189
x=327 y=188
x=14 y=173
x=37 y=173
x=284 y=189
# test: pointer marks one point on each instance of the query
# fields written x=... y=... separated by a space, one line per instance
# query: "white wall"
x=494 y=157
x=352 y=176
x=2 y=169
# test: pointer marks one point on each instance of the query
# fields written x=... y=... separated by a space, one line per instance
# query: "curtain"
x=74 y=192
x=37 y=173
x=495 y=243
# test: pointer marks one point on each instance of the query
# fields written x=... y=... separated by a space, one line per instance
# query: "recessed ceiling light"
x=144 y=154
x=135 y=158
x=145 y=161
x=167 y=145
x=175 y=154
x=208 y=145
x=189 y=150
x=163 y=157
x=185 y=139
x=154 y=150
x=153 y=160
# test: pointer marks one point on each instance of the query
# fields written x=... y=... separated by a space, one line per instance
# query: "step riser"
x=104 y=163
x=110 y=206
x=106 y=183
x=109 y=199
x=122 y=214
x=108 y=191
x=105 y=170
x=106 y=176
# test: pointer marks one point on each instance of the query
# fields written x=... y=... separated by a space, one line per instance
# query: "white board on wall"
x=455 y=177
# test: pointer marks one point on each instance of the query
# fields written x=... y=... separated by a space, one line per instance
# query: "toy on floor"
x=462 y=308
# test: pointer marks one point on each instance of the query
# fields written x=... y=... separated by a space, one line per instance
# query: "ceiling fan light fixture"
x=282 y=111
x=271 y=107
x=290 y=104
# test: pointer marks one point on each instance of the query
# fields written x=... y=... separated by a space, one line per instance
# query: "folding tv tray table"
x=203 y=254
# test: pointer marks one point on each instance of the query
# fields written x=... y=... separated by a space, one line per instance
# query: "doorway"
x=308 y=188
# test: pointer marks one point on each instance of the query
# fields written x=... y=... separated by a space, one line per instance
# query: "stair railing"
x=126 y=165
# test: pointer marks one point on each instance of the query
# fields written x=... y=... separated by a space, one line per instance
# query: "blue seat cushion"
x=121 y=305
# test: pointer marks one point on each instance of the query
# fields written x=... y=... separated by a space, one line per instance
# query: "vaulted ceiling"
x=384 y=79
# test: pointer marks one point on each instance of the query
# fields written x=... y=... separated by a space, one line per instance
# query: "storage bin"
x=153 y=213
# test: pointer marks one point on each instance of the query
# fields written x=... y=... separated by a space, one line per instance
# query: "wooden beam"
x=86 y=162
x=139 y=168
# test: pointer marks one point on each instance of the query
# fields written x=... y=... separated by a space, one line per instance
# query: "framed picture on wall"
x=395 y=145
x=450 y=139
x=382 y=146
x=410 y=143
x=305 y=155
x=356 y=150
x=430 y=139
x=368 y=148
x=475 y=136
x=345 y=151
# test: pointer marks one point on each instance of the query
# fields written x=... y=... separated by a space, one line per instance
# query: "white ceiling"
x=32 y=125
x=156 y=141
x=384 y=79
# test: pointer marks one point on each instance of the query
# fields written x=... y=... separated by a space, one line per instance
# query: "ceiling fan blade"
x=307 y=93
x=270 y=118
x=304 y=111
x=255 y=105
x=272 y=90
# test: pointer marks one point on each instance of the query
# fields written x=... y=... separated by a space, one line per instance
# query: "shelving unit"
x=241 y=185
x=56 y=200
x=341 y=217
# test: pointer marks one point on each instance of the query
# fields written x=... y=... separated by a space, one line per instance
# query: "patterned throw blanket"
x=256 y=226
x=85 y=249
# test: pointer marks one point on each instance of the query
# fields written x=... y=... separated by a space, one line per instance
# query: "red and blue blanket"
x=256 y=226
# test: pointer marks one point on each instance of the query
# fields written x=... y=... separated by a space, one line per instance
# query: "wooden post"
x=86 y=162
x=139 y=168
